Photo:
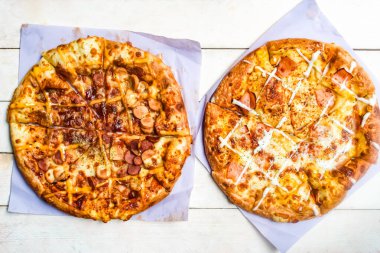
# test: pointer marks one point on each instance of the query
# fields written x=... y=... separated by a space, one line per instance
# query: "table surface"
x=225 y=28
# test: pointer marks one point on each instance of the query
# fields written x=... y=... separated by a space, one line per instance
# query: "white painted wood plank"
x=219 y=23
x=6 y=161
x=206 y=231
x=219 y=230
x=206 y=193
x=5 y=143
x=214 y=64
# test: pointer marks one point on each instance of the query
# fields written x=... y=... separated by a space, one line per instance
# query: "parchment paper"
x=184 y=58
x=304 y=21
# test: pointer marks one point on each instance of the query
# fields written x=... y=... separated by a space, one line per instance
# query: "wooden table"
x=225 y=29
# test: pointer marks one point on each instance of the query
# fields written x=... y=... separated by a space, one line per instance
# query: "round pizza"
x=99 y=129
x=291 y=128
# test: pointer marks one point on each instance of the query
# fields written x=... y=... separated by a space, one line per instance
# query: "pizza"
x=291 y=128
x=99 y=129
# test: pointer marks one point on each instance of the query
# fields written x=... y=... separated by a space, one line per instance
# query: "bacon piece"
x=57 y=158
x=154 y=104
x=248 y=99
x=42 y=164
x=323 y=96
x=341 y=76
x=92 y=181
x=129 y=157
x=234 y=170
x=98 y=78
x=134 y=170
x=140 y=111
x=285 y=67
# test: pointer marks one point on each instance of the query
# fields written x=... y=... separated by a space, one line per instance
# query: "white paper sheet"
x=304 y=21
x=183 y=56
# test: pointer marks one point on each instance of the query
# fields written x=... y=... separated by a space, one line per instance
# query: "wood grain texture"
x=212 y=230
x=216 y=23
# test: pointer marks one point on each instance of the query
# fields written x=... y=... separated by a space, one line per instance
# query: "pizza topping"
x=249 y=100
x=147 y=154
x=234 y=170
x=132 y=98
x=286 y=67
x=129 y=157
x=117 y=151
x=134 y=169
x=59 y=174
x=102 y=173
x=341 y=77
x=140 y=111
x=152 y=139
x=42 y=164
x=154 y=104
x=147 y=122
x=145 y=144
x=323 y=96
x=98 y=78
x=57 y=158
x=134 y=147
x=147 y=130
x=137 y=160
x=49 y=176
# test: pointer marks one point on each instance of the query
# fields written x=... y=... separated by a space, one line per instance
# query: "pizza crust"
x=311 y=123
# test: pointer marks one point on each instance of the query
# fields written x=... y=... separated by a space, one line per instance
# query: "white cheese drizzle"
x=375 y=145
x=353 y=181
x=225 y=140
x=371 y=101
x=365 y=118
x=336 y=122
x=295 y=92
x=268 y=136
x=249 y=109
x=326 y=69
x=329 y=102
x=315 y=209
x=250 y=63
x=311 y=62
x=265 y=193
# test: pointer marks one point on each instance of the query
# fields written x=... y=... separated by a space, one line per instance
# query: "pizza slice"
x=142 y=93
x=56 y=90
x=80 y=57
x=29 y=115
x=28 y=94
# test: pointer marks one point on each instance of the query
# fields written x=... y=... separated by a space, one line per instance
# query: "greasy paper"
x=304 y=21
x=184 y=58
